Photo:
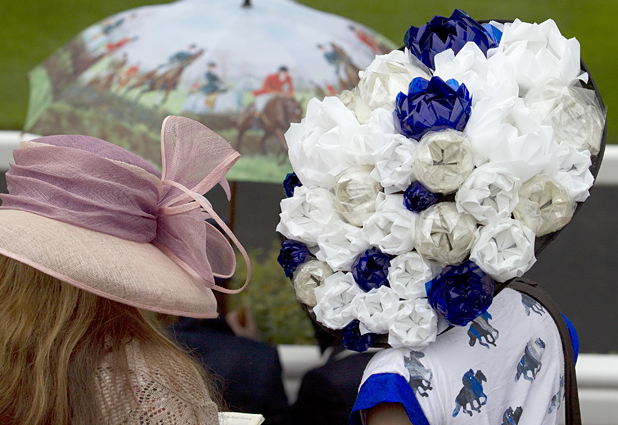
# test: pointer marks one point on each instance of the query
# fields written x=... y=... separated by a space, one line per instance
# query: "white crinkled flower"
x=393 y=164
x=492 y=78
x=489 y=193
x=538 y=52
x=340 y=243
x=376 y=309
x=414 y=326
x=334 y=300
x=382 y=81
x=318 y=144
x=504 y=249
x=408 y=274
x=574 y=173
x=511 y=135
x=304 y=215
x=391 y=227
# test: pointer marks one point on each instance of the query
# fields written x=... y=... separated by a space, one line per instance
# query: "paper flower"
x=418 y=198
x=431 y=106
x=574 y=172
x=414 y=326
x=370 y=269
x=290 y=182
x=443 y=160
x=504 y=249
x=334 y=308
x=304 y=215
x=443 y=234
x=355 y=194
x=376 y=309
x=408 y=274
x=538 y=52
x=353 y=339
x=442 y=33
x=461 y=293
x=393 y=165
x=382 y=81
x=339 y=244
x=307 y=278
x=544 y=205
x=316 y=145
x=292 y=255
x=572 y=111
x=391 y=228
x=490 y=192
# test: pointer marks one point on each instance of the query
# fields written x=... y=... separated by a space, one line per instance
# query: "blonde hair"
x=54 y=336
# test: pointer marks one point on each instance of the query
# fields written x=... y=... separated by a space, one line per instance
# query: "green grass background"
x=30 y=30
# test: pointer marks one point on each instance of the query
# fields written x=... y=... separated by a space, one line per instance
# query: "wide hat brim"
x=133 y=273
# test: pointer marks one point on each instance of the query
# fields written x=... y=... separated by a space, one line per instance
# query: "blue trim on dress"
x=387 y=387
x=573 y=335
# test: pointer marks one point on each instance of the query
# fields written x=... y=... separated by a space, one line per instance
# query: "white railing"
x=597 y=376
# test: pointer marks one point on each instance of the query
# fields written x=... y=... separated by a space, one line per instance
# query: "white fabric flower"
x=334 y=300
x=511 y=135
x=492 y=78
x=408 y=274
x=574 y=173
x=504 y=249
x=393 y=164
x=538 y=52
x=391 y=227
x=414 y=326
x=376 y=309
x=382 y=81
x=340 y=243
x=489 y=193
x=304 y=215
x=317 y=145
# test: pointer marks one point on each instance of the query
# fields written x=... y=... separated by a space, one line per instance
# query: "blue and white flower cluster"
x=435 y=175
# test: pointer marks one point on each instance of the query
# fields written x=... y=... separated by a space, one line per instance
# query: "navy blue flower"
x=292 y=255
x=353 y=340
x=493 y=32
x=289 y=183
x=370 y=269
x=418 y=198
x=432 y=106
x=442 y=33
x=461 y=293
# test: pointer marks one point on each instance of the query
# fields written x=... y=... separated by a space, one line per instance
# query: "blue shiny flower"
x=493 y=32
x=290 y=182
x=461 y=293
x=292 y=255
x=442 y=33
x=370 y=269
x=418 y=198
x=432 y=106
x=353 y=340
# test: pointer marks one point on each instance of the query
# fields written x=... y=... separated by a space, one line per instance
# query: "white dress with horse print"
x=504 y=368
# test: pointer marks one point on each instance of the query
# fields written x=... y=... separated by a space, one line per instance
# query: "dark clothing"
x=327 y=393
x=249 y=371
x=214 y=84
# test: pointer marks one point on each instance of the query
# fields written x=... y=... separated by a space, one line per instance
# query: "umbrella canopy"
x=245 y=72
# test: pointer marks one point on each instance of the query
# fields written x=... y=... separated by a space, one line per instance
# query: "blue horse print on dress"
x=420 y=376
x=531 y=304
x=471 y=393
x=556 y=400
x=530 y=363
x=480 y=330
x=511 y=417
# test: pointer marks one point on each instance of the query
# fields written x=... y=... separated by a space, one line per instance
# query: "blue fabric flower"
x=370 y=269
x=432 y=106
x=442 y=33
x=292 y=255
x=289 y=183
x=353 y=340
x=461 y=293
x=418 y=198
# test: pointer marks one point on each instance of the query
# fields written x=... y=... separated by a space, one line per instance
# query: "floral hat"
x=452 y=163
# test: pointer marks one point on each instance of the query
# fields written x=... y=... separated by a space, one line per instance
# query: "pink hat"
x=107 y=221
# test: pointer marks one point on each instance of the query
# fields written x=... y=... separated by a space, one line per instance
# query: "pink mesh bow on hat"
x=95 y=185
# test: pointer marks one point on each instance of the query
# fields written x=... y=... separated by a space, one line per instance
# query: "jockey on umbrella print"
x=279 y=84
